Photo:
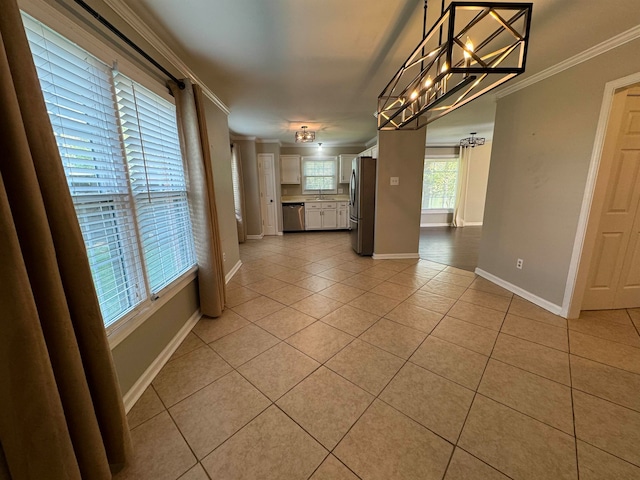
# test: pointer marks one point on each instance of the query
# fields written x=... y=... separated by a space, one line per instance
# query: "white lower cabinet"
x=343 y=215
x=324 y=216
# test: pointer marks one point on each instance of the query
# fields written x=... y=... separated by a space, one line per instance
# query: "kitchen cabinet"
x=290 y=169
x=370 y=152
x=345 y=168
x=343 y=215
x=321 y=215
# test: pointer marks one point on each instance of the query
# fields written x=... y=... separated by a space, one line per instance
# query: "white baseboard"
x=472 y=224
x=232 y=272
x=280 y=234
x=255 y=237
x=135 y=392
x=541 y=302
x=427 y=225
x=394 y=256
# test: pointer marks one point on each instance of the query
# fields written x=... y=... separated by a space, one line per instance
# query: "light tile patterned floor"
x=327 y=365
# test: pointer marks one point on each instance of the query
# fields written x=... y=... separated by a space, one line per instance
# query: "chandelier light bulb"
x=468 y=48
x=414 y=95
x=428 y=82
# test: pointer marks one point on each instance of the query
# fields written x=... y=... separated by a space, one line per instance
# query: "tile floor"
x=331 y=366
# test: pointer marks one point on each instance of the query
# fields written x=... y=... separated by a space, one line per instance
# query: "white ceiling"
x=280 y=64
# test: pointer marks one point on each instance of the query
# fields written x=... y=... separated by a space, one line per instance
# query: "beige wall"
x=220 y=148
x=400 y=154
x=542 y=147
x=139 y=350
x=253 y=216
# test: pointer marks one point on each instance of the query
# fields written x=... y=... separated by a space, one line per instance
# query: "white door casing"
x=266 y=171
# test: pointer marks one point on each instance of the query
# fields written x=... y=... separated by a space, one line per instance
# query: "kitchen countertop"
x=313 y=198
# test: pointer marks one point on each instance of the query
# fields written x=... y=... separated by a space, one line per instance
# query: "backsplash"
x=293 y=190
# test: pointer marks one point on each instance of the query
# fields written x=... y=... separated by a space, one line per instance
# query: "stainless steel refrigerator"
x=362 y=204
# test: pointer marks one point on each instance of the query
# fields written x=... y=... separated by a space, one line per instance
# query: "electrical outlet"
x=519 y=264
x=394 y=181
x=224 y=257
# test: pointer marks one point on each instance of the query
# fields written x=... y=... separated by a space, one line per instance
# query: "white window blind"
x=439 y=182
x=124 y=236
x=79 y=99
x=158 y=183
x=319 y=174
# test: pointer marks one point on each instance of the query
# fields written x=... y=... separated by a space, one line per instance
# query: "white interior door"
x=266 y=169
x=614 y=276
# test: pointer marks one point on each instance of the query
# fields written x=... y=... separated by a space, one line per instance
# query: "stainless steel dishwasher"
x=293 y=217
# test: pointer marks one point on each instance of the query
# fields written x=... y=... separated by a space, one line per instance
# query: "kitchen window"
x=319 y=175
x=119 y=146
x=439 y=183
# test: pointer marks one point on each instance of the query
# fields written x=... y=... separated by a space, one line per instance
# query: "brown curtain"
x=238 y=196
x=192 y=126
x=61 y=412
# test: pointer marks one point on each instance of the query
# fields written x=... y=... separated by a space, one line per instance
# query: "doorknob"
x=271 y=200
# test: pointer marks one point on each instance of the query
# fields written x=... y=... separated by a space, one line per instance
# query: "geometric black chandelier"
x=472 y=141
x=304 y=135
x=472 y=48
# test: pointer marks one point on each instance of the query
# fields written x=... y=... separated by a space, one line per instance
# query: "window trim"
x=125 y=325
x=86 y=39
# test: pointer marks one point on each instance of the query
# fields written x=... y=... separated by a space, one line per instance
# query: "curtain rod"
x=128 y=41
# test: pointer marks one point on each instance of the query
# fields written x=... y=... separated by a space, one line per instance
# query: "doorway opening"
x=453 y=197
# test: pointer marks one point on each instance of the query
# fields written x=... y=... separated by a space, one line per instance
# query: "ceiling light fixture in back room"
x=471 y=49
x=472 y=141
x=304 y=135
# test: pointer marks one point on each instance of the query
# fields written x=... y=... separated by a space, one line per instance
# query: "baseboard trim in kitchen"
x=255 y=237
x=395 y=256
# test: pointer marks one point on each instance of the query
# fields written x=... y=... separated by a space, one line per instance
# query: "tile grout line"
x=573 y=411
x=475 y=394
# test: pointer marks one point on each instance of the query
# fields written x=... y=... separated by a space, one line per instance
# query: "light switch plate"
x=395 y=181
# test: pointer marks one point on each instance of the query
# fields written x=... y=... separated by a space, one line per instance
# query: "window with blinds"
x=319 y=175
x=158 y=184
x=119 y=147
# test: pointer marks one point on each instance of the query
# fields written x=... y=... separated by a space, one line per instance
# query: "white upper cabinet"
x=290 y=169
x=345 y=168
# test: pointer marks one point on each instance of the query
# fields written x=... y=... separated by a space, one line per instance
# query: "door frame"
x=579 y=265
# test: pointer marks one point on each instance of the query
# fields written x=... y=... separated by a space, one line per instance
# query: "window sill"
x=126 y=325
x=437 y=210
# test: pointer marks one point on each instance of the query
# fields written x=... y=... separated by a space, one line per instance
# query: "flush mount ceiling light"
x=472 y=141
x=304 y=135
x=472 y=48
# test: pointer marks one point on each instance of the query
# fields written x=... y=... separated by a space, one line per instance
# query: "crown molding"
x=614 y=42
x=269 y=140
x=242 y=138
x=372 y=142
x=129 y=16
